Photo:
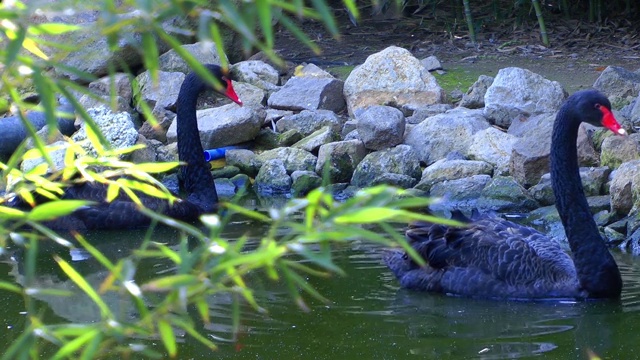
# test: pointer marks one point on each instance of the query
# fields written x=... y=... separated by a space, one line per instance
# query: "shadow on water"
x=368 y=316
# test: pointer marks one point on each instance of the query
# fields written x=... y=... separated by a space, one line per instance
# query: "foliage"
x=299 y=237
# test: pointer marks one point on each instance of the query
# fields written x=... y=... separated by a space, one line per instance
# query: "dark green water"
x=368 y=317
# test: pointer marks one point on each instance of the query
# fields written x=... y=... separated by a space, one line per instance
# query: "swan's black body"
x=495 y=258
x=197 y=181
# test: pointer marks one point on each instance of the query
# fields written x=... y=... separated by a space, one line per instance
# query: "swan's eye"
x=597 y=106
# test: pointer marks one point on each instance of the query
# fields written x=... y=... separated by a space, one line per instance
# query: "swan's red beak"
x=231 y=93
x=610 y=122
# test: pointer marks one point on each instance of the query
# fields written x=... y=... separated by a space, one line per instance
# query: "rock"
x=420 y=114
x=167 y=153
x=117 y=129
x=380 y=127
x=494 y=147
x=455 y=193
x=273 y=115
x=272 y=178
x=241 y=182
x=391 y=77
x=311 y=70
x=431 y=63
x=309 y=93
x=381 y=167
x=293 y=159
x=304 y=181
x=619 y=149
x=587 y=155
x=158 y=132
x=120 y=82
x=593 y=180
x=312 y=142
x=503 y=193
x=226 y=172
x=204 y=52
x=529 y=159
x=244 y=160
x=306 y=122
x=225 y=188
x=161 y=94
x=352 y=136
x=432 y=138
x=621 y=86
x=56 y=151
x=539 y=126
x=341 y=159
x=225 y=125
x=349 y=126
x=456 y=95
x=146 y=154
x=257 y=73
x=252 y=96
x=445 y=170
x=474 y=98
x=624 y=181
x=516 y=91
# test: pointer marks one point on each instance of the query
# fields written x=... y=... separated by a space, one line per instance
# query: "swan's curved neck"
x=196 y=175
x=597 y=270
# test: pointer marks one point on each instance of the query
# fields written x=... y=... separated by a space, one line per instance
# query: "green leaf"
x=53 y=28
x=11 y=213
x=155 y=168
x=369 y=216
x=264 y=13
x=171 y=282
x=55 y=209
x=73 y=346
x=168 y=337
x=10 y=287
x=84 y=285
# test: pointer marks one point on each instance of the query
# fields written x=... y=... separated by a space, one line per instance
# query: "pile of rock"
x=387 y=124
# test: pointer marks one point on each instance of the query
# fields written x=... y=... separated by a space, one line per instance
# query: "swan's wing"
x=489 y=257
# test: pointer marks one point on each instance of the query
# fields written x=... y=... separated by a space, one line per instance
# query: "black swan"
x=495 y=258
x=197 y=182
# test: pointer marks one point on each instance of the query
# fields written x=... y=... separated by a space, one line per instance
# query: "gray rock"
x=431 y=63
x=538 y=126
x=117 y=128
x=455 y=192
x=616 y=150
x=309 y=93
x=306 y=122
x=380 y=127
x=56 y=151
x=529 y=159
x=518 y=91
x=161 y=94
x=225 y=125
x=120 y=82
x=121 y=104
x=593 y=180
x=421 y=114
x=167 y=153
x=204 y=52
x=375 y=168
x=272 y=178
x=274 y=115
x=348 y=127
x=226 y=172
x=503 y=193
x=620 y=85
x=257 y=73
x=445 y=170
x=312 y=142
x=432 y=138
x=158 y=132
x=245 y=160
x=146 y=154
x=312 y=70
x=341 y=159
x=494 y=147
x=251 y=95
x=624 y=182
x=293 y=159
x=353 y=135
x=304 y=181
x=391 y=77
x=474 y=98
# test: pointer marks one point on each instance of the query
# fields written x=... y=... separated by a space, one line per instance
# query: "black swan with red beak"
x=495 y=258
x=197 y=184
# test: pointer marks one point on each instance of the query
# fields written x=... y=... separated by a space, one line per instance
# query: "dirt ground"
x=578 y=51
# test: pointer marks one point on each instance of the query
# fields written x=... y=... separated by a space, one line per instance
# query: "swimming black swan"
x=495 y=258
x=197 y=181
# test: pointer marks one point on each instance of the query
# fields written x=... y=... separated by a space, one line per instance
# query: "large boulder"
x=619 y=149
x=446 y=170
x=117 y=128
x=204 y=52
x=293 y=159
x=380 y=127
x=619 y=84
x=309 y=93
x=272 y=178
x=593 y=180
x=398 y=166
x=517 y=91
x=474 y=98
x=625 y=181
x=391 y=77
x=439 y=135
x=494 y=147
x=340 y=159
x=257 y=73
x=161 y=94
x=307 y=121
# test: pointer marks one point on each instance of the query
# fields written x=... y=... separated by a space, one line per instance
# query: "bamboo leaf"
x=53 y=28
x=84 y=285
x=11 y=213
x=171 y=282
x=73 y=346
x=55 y=209
x=369 y=216
x=264 y=13
x=167 y=336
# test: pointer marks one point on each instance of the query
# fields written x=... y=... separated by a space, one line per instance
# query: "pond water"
x=368 y=316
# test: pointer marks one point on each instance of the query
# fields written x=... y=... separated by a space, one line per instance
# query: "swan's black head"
x=591 y=106
x=225 y=78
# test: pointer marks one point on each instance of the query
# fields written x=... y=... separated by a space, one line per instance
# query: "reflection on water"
x=368 y=317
